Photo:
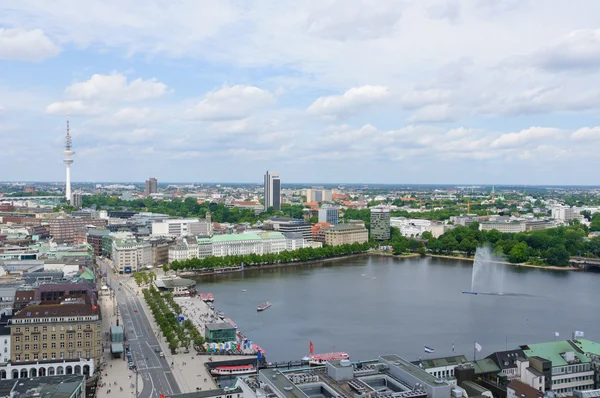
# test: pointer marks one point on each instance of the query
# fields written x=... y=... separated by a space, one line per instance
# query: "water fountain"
x=487 y=276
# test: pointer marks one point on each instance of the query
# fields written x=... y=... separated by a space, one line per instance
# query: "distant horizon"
x=466 y=185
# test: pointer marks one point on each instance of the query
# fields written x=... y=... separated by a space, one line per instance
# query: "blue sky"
x=379 y=91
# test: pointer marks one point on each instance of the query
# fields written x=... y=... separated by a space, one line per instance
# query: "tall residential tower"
x=272 y=190
x=68 y=161
x=151 y=186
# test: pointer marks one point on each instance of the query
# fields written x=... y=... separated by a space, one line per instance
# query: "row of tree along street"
x=305 y=254
x=551 y=246
x=165 y=311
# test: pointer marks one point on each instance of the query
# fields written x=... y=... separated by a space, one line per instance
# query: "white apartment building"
x=182 y=227
x=184 y=249
x=229 y=245
x=414 y=227
x=566 y=213
x=503 y=226
x=130 y=256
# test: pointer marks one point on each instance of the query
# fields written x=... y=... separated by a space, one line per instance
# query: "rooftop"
x=410 y=368
x=524 y=390
x=62 y=386
x=173 y=283
x=219 y=326
x=441 y=362
x=552 y=352
x=586 y=346
x=206 y=393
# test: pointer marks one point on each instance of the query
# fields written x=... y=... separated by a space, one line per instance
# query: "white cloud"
x=116 y=88
x=345 y=135
x=134 y=116
x=73 y=108
x=352 y=101
x=419 y=98
x=354 y=19
x=230 y=103
x=26 y=45
x=587 y=134
x=578 y=50
x=433 y=114
x=532 y=134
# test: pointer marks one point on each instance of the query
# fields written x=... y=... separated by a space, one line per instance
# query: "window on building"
x=62 y=336
x=44 y=337
x=70 y=344
x=17 y=330
x=87 y=344
x=44 y=346
x=26 y=347
x=53 y=336
x=62 y=355
x=36 y=347
x=26 y=338
x=35 y=357
x=79 y=335
x=26 y=330
x=44 y=328
x=17 y=339
x=35 y=337
x=53 y=355
x=44 y=356
x=26 y=357
x=17 y=357
x=17 y=348
x=62 y=344
x=35 y=328
x=88 y=354
x=88 y=335
x=79 y=344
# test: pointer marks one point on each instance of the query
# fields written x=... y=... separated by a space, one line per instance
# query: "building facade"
x=59 y=337
x=272 y=190
x=344 y=234
x=329 y=214
x=76 y=200
x=181 y=227
x=151 y=186
x=380 y=223
x=64 y=229
x=228 y=245
x=130 y=255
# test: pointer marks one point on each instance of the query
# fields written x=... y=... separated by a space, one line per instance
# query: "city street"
x=155 y=374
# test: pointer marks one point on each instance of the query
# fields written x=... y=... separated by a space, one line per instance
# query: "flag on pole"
x=577 y=334
x=311 y=347
x=556 y=334
x=429 y=350
x=478 y=347
x=452 y=347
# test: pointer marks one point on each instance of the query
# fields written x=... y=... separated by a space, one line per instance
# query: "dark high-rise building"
x=380 y=223
x=151 y=186
x=272 y=190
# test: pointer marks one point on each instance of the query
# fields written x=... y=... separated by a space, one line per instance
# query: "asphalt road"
x=155 y=372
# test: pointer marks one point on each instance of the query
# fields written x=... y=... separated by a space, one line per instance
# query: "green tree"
x=557 y=256
x=519 y=253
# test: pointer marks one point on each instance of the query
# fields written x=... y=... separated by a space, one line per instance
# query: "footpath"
x=116 y=379
x=188 y=369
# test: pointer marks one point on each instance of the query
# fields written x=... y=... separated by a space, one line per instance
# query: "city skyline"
x=381 y=92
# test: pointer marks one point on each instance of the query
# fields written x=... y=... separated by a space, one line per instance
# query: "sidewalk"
x=189 y=369
x=115 y=374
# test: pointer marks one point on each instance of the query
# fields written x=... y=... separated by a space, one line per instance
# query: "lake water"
x=369 y=306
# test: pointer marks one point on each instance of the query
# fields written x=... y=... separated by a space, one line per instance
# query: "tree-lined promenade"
x=284 y=257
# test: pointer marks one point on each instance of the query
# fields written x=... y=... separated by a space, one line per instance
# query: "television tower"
x=68 y=161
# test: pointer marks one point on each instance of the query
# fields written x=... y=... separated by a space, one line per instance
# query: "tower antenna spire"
x=68 y=160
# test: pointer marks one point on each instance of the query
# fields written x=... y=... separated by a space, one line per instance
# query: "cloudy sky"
x=369 y=91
